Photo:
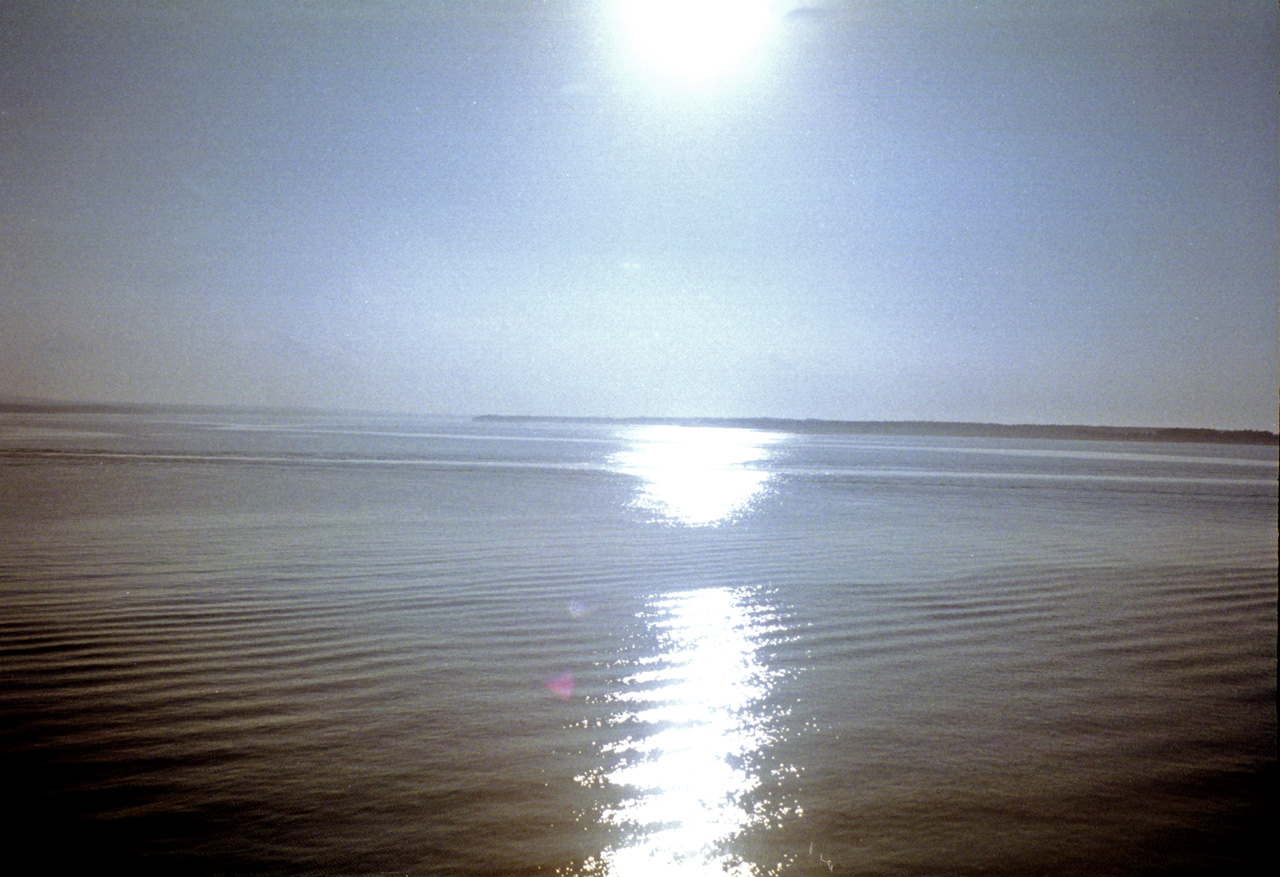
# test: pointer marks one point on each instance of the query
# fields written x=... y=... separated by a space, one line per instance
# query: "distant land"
x=1061 y=432
x=930 y=428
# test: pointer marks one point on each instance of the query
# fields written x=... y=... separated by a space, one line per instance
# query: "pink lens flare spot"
x=561 y=686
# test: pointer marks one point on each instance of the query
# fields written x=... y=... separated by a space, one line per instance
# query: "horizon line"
x=920 y=427
x=784 y=424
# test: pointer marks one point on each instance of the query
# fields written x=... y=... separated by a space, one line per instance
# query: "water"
x=239 y=643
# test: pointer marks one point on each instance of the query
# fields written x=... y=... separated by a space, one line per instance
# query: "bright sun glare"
x=685 y=778
x=694 y=41
x=696 y=475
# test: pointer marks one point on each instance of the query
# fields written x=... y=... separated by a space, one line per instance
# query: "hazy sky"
x=999 y=211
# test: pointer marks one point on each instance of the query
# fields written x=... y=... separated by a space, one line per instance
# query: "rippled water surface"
x=256 y=644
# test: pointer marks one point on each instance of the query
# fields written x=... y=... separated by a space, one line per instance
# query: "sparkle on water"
x=696 y=475
x=686 y=782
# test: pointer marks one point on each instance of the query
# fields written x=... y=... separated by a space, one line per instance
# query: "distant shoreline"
x=960 y=429
x=1059 y=432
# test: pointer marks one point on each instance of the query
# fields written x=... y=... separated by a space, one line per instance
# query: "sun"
x=695 y=42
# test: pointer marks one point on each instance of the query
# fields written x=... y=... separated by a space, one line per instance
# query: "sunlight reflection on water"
x=687 y=780
x=696 y=475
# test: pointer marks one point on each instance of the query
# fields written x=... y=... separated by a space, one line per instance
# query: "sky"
x=1012 y=212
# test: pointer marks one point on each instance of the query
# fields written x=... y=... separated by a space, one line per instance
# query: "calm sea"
x=239 y=643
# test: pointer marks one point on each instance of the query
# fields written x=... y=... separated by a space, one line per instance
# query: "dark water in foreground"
x=253 y=644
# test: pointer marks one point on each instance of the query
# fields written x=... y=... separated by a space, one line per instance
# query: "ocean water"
x=248 y=643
